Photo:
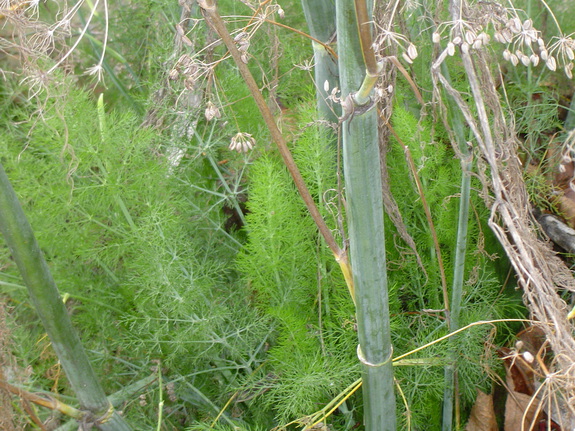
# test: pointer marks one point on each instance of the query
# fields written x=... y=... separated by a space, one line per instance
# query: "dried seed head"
x=212 y=111
x=326 y=86
x=240 y=36
x=450 y=49
x=525 y=60
x=189 y=83
x=281 y=13
x=412 y=51
x=499 y=37
x=515 y=25
x=465 y=48
x=407 y=58
x=174 y=74
x=514 y=59
x=436 y=37
x=457 y=40
x=551 y=63
x=527 y=24
x=469 y=37
x=528 y=357
x=534 y=59
x=507 y=55
x=544 y=54
x=569 y=70
x=477 y=44
x=242 y=142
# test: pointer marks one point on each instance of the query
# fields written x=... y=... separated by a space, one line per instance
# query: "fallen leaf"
x=521 y=414
x=482 y=416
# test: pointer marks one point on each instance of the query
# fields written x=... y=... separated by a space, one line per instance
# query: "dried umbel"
x=523 y=42
x=212 y=111
x=386 y=38
x=242 y=142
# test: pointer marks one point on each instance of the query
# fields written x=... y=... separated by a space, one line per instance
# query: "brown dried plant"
x=39 y=47
x=6 y=363
x=539 y=271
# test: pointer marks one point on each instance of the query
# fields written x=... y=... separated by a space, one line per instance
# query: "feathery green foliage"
x=483 y=297
x=296 y=281
x=119 y=233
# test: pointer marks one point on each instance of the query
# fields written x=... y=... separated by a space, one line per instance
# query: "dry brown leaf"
x=482 y=416
x=566 y=204
x=520 y=410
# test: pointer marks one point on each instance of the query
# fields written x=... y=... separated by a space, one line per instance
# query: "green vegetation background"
x=153 y=279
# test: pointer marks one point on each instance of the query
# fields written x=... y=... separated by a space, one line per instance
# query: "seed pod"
x=412 y=51
x=525 y=60
x=407 y=58
x=514 y=59
x=551 y=64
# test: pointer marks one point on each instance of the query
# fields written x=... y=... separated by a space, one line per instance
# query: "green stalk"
x=117 y=399
x=450 y=375
x=52 y=311
x=456 y=295
x=320 y=17
x=366 y=231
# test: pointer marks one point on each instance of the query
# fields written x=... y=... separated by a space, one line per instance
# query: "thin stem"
x=427 y=211
x=80 y=37
x=328 y=48
x=44 y=401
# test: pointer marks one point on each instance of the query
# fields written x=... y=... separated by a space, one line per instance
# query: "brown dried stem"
x=215 y=21
x=539 y=271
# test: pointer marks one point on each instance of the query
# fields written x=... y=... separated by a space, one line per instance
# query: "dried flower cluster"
x=189 y=70
x=386 y=38
x=568 y=157
x=523 y=42
x=212 y=111
x=38 y=42
x=242 y=39
x=242 y=142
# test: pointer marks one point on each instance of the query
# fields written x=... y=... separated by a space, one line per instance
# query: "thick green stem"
x=320 y=17
x=52 y=311
x=366 y=233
